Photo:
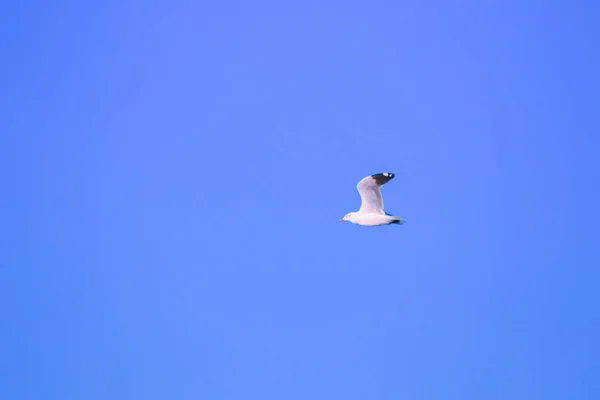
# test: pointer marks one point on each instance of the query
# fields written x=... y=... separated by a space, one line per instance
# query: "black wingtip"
x=383 y=177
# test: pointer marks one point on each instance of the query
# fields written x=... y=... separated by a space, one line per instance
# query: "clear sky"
x=174 y=172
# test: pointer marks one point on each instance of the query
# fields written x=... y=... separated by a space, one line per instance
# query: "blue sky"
x=175 y=172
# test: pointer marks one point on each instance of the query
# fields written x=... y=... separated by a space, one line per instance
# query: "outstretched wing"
x=370 y=193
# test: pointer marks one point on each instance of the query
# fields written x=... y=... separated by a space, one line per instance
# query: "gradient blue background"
x=173 y=176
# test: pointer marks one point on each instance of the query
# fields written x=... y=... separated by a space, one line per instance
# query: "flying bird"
x=371 y=210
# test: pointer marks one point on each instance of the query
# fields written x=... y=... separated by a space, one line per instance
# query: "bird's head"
x=348 y=217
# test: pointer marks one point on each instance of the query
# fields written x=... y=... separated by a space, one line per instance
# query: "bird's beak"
x=342 y=220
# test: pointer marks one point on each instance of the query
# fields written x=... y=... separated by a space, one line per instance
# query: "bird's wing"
x=370 y=193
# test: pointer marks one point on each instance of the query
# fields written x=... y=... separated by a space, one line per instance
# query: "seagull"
x=371 y=210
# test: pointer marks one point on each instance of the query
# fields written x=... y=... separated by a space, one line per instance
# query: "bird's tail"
x=397 y=220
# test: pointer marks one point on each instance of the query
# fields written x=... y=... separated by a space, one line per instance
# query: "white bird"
x=371 y=210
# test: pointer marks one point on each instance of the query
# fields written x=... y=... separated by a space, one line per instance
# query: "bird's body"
x=372 y=219
x=371 y=211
